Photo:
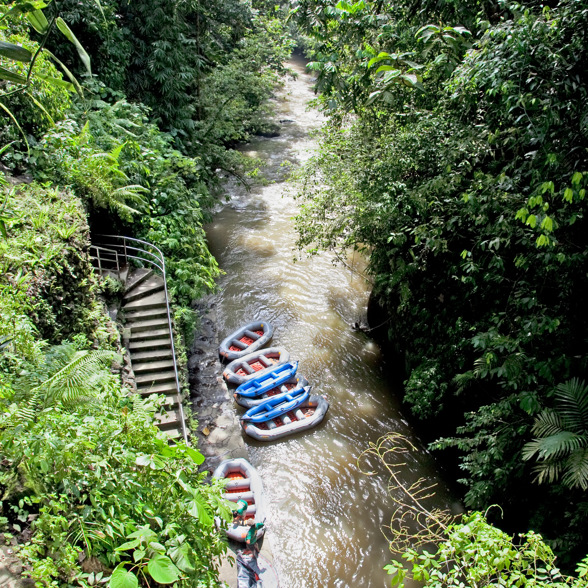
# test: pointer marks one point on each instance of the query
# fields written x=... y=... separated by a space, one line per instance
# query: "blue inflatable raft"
x=296 y=381
x=265 y=382
x=276 y=407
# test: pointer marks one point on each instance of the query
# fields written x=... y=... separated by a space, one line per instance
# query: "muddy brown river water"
x=324 y=515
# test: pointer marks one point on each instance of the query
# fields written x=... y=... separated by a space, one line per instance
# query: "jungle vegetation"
x=456 y=157
x=115 y=116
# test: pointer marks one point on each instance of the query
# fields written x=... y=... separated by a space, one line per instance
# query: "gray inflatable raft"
x=255 y=364
x=309 y=414
x=246 y=340
x=243 y=483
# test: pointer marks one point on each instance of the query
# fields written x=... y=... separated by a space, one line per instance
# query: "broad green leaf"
x=162 y=570
x=67 y=32
x=184 y=558
x=138 y=555
x=10 y=76
x=38 y=21
x=15 y=52
x=386 y=68
x=568 y=194
x=143 y=460
x=68 y=73
x=122 y=578
x=199 y=511
x=382 y=55
x=157 y=546
x=196 y=456
x=57 y=82
x=547 y=224
x=128 y=545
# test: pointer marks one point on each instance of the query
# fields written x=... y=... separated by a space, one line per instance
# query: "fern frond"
x=77 y=378
x=28 y=410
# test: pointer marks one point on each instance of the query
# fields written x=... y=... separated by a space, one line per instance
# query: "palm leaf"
x=547 y=423
x=576 y=468
x=554 y=446
x=572 y=398
x=547 y=471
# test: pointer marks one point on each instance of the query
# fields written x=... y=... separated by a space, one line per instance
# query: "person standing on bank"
x=248 y=572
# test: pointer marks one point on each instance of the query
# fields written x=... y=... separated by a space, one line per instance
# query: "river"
x=325 y=516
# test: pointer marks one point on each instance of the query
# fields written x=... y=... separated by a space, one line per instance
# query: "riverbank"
x=218 y=433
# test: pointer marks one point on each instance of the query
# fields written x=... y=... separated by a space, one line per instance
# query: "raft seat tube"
x=251 y=334
x=238 y=483
x=239 y=344
x=265 y=361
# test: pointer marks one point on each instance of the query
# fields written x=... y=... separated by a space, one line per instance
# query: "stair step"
x=167 y=388
x=151 y=300
x=145 y=344
x=139 y=336
x=149 y=325
x=175 y=433
x=134 y=315
x=138 y=277
x=169 y=419
x=170 y=401
x=143 y=291
x=145 y=381
x=155 y=355
x=146 y=367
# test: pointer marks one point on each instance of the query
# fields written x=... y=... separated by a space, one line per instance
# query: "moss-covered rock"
x=47 y=278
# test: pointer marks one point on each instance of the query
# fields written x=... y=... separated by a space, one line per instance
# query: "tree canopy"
x=455 y=156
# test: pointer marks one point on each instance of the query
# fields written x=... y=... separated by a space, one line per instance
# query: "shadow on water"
x=325 y=514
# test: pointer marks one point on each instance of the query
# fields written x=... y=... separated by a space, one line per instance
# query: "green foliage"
x=475 y=553
x=47 y=281
x=70 y=155
x=37 y=106
x=561 y=446
x=469 y=199
x=110 y=486
x=172 y=187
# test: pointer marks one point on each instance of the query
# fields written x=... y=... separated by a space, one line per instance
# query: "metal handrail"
x=98 y=257
x=158 y=261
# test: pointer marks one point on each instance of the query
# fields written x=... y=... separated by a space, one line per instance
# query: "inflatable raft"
x=275 y=407
x=243 y=483
x=256 y=364
x=289 y=385
x=307 y=415
x=246 y=340
x=265 y=382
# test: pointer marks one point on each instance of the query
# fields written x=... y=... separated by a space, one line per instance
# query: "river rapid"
x=325 y=516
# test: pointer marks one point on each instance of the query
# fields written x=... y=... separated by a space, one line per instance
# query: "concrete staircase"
x=149 y=343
